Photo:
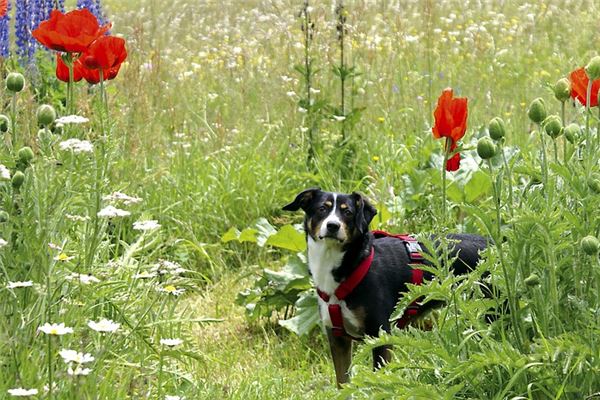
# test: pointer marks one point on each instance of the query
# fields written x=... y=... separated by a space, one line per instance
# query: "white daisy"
x=78 y=371
x=163 y=267
x=3 y=242
x=55 y=329
x=144 y=275
x=171 y=342
x=54 y=246
x=20 y=392
x=111 y=212
x=170 y=289
x=19 y=284
x=4 y=172
x=76 y=146
x=146 y=225
x=86 y=279
x=118 y=196
x=104 y=325
x=71 y=119
x=76 y=357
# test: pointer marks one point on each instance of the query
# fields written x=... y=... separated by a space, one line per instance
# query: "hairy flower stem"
x=68 y=60
x=508 y=173
x=562 y=117
x=446 y=149
x=13 y=120
x=544 y=162
x=498 y=241
x=588 y=134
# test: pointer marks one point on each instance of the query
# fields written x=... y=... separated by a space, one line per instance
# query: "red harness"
x=347 y=286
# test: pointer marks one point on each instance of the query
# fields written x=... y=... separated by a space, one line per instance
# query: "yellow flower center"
x=170 y=288
x=54 y=331
x=63 y=257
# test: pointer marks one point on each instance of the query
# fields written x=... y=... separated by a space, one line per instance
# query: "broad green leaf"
x=248 y=235
x=307 y=315
x=479 y=185
x=288 y=238
x=265 y=230
x=232 y=234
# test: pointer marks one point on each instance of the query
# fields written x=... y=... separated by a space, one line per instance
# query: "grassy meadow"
x=207 y=131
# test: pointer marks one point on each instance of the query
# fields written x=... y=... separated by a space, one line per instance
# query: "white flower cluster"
x=76 y=146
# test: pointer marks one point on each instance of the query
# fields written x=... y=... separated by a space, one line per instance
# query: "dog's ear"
x=364 y=212
x=302 y=200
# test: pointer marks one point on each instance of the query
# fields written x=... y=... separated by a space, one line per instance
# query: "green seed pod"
x=15 y=82
x=537 y=110
x=532 y=280
x=553 y=126
x=45 y=114
x=3 y=216
x=18 y=179
x=25 y=155
x=590 y=245
x=594 y=183
x=486 y=148
x=4 y=121
x=593 y=68
x=562 y=90
x=572 y=133
x=496 y=128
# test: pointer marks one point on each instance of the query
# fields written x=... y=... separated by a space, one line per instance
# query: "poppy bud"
x=553 y=126
x=25 y=154
x=486 y=148
x=532 y=280
x=562 y=90
x=593 y=68
x=496 y=128
x=572 y=132
x=4 y=121
x=15 y=82
x=3 y=216
x=537 y=110
x=594 y=183
x=18 y=179
x=590 y=245
x=45 y=114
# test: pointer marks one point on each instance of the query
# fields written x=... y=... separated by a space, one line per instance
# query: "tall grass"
x=206 y=130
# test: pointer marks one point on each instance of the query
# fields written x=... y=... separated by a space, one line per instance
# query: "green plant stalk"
x=160 y=375
x=70 y=85
x=13 y=119
x=308 y=84
x=544 y=161
x=508 y=173
x=562 y=116
x=50 y=384
x=342 y=70
x=588 y=134
x=498 y=242
x=444 y=207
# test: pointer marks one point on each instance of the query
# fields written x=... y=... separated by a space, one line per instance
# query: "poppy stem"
x=13 y=119
x=68 y=59
x=446 y=150
x=588 y=141
x=562 y=116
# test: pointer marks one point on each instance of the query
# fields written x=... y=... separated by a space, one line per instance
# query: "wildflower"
x=76 y=146
x=111 y=212
x=19 y=284
x=63 y=257
x=167 y=267
x=381 y=120
x=375 y=158
x=76 y=357
x=169 y=397
x=86 y=279
x=118 y=196
x=72 y=119
x=77 y=218
x=104 y=325
x=579 y=83
x=62 y=71
x=20 y=392
x=3 y=243
x=53 y=246
x=72 y=32
x=78 y=371
x=4 y=172
x=145 y=275
x=146 y=225
x=3 y=7
x=94 y=7
x=171 y=342
x=451 y=123
x=339 y=118
x=170 y=289
x=55 y=329
x=106 y=54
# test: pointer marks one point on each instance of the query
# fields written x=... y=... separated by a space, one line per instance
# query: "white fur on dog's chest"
x=322 y=260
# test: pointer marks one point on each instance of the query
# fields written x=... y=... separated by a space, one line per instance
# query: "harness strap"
x=346 y=287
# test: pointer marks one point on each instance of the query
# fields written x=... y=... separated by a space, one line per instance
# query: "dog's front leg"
x=341 y=351
x=381 y=356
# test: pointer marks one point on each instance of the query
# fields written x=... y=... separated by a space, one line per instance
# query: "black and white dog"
x=339 y=246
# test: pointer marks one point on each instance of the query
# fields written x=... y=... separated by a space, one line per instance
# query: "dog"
x=360 y=275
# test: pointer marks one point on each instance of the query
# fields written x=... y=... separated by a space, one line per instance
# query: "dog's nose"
x=333 y=227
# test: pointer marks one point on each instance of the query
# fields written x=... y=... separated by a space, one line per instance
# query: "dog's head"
x=333 y=217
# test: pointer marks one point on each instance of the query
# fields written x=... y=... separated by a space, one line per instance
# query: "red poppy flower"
x=579 y=83
x=450 y=122
x=92 y=76
x=72 y=32
x=3 y=7
x=105 y=53
x=62 y=71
